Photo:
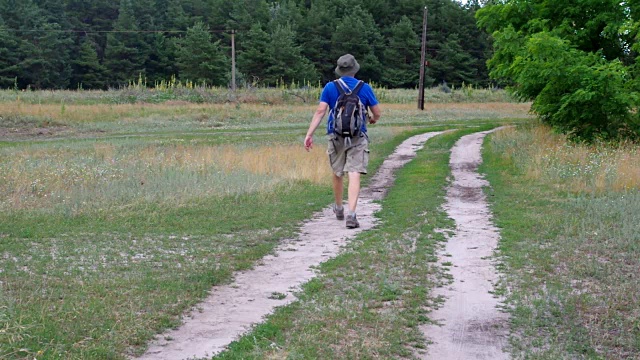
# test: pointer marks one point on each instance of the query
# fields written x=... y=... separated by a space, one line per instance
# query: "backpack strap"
x=356 y=89
x=342 y=87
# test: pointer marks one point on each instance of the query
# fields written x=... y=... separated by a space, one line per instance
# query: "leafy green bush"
x=584 y=89
x=581 y=94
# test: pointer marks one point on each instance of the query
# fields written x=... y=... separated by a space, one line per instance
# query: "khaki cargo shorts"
x=345 y=158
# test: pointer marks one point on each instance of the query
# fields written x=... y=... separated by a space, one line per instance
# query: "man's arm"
x=375 y=114
x=315 y=121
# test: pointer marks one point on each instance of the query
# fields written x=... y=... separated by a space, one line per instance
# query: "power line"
x=217 y=31
x=108 y=31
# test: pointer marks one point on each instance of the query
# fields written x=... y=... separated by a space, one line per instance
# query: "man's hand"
x=308 y=142
x=375 y=114
x=317 y=118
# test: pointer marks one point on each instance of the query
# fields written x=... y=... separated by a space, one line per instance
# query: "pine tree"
x=88 y=72
x=201 y=60
x=176 y=18
x=8 y=57
x=56 y=45
x=219 y=14
x=54 y=12
x=123 y=59
x=95 y=17
x=145 y=15
x=448 y=39
x=244 y=13
x=357 y=34
x=402 y=56
x=413 y=9
x=51 y=59
x=316 y=36
x=285 y=13
x=452 y=64
x=286 y=62
x=381 y=11
x=17 y=16
x=375 y=31
x=254 y=57
x=42 y=49
x=476 y=42
x=160 y=64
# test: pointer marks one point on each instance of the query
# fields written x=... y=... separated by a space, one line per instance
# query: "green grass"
x=75 y=285
x=570 y=260
x=369 y=301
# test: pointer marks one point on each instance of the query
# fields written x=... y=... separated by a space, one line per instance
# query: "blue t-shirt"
x=330 y=95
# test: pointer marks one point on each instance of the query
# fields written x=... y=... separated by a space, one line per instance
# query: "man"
x=352 y=156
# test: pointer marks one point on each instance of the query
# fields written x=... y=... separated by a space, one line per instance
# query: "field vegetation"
x=116 y=218
x=570 y=219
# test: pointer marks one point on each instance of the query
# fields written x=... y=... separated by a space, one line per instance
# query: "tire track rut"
x=470 y=325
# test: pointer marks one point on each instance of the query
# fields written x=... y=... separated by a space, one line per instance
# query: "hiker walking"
x=347 y=99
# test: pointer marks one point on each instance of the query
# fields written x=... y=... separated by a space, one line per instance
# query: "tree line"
x=97 y=44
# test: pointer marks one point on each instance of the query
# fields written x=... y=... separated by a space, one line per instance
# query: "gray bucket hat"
x=347 y=65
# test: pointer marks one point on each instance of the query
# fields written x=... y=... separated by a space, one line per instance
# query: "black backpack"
x=349 y=112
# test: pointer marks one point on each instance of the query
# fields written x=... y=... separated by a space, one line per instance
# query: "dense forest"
x=96 y=44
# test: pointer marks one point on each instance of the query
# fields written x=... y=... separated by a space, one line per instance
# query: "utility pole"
x=423 y=60
x=233 y=60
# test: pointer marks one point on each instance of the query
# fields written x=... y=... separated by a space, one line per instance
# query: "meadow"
x=120 y=209
x=570 y=219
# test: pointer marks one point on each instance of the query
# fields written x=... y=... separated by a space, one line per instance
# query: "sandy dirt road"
x=470 y=325
x=231 y=310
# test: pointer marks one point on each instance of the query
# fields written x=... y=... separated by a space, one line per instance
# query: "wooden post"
x=233 y=60
x=423 y=60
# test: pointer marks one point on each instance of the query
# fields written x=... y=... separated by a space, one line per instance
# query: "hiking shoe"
x=339 y=212
x=352 y=222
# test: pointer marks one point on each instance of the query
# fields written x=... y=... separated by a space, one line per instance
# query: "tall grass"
x=578 y=168
x=19 y=113
x=188 y=116
x=570 y=219
x=284 y=94
x=112 y=174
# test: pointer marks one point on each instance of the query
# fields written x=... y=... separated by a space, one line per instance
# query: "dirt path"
x=471 y=326
x=230 y=310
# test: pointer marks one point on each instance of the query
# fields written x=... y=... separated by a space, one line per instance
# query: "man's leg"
x=354 y=191
x=338 y=189
x=337 y=159
x=356 y=164
x=337 y=193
